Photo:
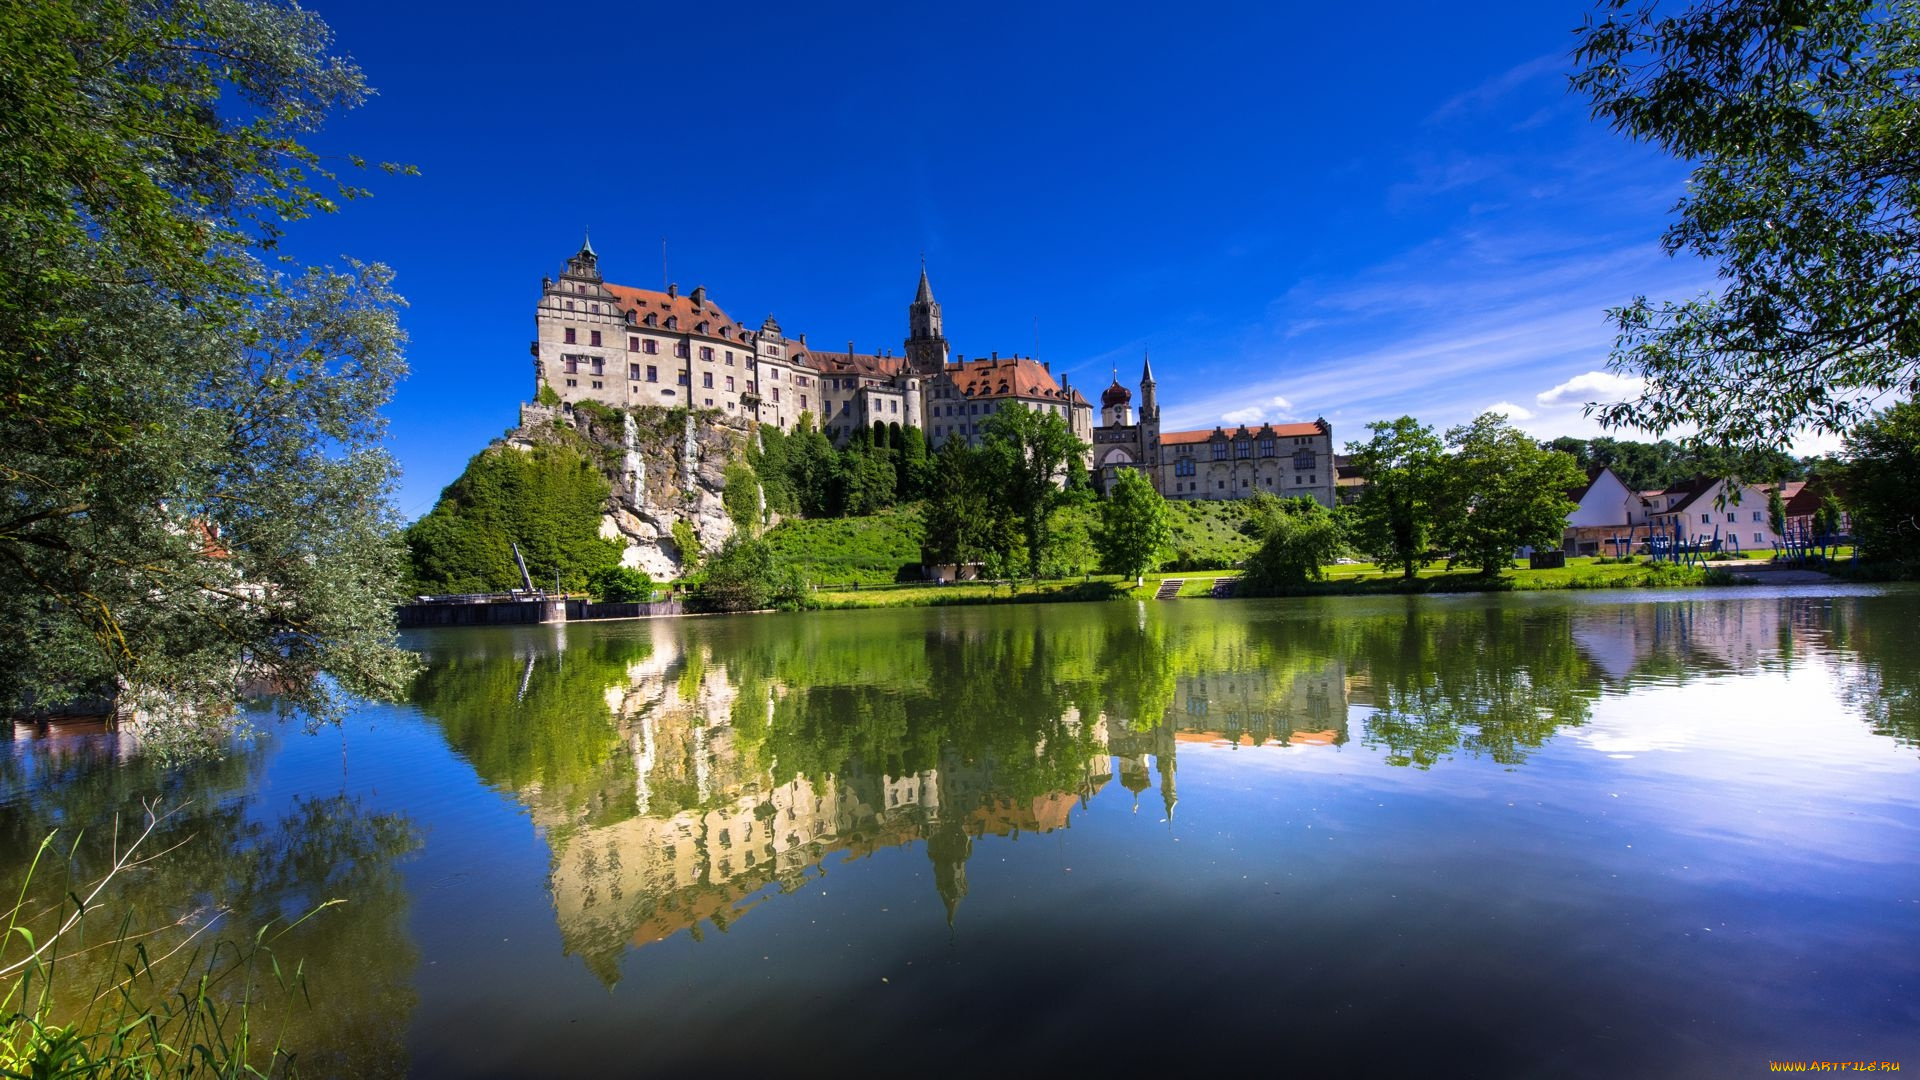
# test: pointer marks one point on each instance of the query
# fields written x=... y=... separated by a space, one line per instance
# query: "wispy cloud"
x=1274 y=408
x=1499 y=86
x=1590 y=387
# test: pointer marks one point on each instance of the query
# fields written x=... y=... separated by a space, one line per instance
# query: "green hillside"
x=1206 y=534
x=868 y=550
x=871 y=550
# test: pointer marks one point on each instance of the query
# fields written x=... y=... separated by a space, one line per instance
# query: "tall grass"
x=86 y=992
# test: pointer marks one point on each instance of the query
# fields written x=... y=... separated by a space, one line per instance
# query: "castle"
x=626 y=347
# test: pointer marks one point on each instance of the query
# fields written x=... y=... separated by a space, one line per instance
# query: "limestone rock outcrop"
x=664 y=465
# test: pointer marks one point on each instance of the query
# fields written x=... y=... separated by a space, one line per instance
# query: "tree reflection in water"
x=224 y=862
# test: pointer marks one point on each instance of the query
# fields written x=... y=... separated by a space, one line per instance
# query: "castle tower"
x=1149 y=404
x=1116 y=406
x=1149 y=418
x=926 y=346
x=584 y=265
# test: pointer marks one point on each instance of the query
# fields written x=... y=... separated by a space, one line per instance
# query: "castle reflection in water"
x=685 y=772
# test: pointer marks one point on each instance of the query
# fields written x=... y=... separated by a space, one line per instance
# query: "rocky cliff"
x=664 y=465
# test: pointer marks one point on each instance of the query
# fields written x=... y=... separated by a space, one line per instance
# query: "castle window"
x=803 y=398
x=652 y=319
x=729 y=382
x=1183 y=467
x=729 y=357
x=572 y=364
x=633 y=372
x=633 y=344
x=1219 y=451
x=776 y=397
x=596 y=336
x=653 y=373
x=680 y=348
x=700 y=327
x=673 y=322
x=630 y=317
x=706 y=379
x=568 y=335
x=682 y=378
x=1266 y=447
x=569 y=305
x=1303 y=460
x=573 y=382
x=650 y=346
x=1243 y=448
x=596 y=384
x=706 y=352
x=709 y=403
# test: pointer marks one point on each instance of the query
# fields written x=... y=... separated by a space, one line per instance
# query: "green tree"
x=1134 y=531
x=192 y=478
x=813 y=469
x=621 y=585
x=1776 y=510
x=1502 y=491
x=1394 y=518
x=915 y=473
x=547 y=500
x=1031 y=452
x=963 y=522
x=1883 y=492
x=1300 y=541
x=740 y=494
x=1800 y=119
x=745 y=575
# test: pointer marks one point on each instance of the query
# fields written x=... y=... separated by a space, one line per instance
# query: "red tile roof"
x=1013 y=377
x=644 y=302
x=851 y=363
x=1178 y=438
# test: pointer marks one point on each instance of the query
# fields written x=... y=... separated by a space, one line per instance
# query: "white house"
x=1606 y=510
x=1735 y=512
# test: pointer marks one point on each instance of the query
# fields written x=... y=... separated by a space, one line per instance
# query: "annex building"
x=1285 y=460
x=627 y=347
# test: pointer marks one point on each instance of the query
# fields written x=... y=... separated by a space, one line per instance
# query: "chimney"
x=996 y=357
x=699 y=296
x=673 y=289
x=803 y=341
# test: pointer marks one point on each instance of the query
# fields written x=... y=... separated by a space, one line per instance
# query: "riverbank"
x=1348 y=579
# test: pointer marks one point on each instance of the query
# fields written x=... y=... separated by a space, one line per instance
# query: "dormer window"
x=673 y=322
x=700 y=327
x=652 y=319
x=630 y=317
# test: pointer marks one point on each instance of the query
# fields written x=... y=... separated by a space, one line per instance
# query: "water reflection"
x=685 y=773
x=229 y=860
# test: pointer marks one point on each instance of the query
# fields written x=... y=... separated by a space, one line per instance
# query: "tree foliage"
x=1644 y=466
x=1394 y=519
x=195 y=494
x=964 y=523
x=745 y=575
x=548 y=500
x=1300 y=540
x=1883 y=486
x=1134 y=530
x=1801 y=121
x=1502 y=491
x=1029 y=452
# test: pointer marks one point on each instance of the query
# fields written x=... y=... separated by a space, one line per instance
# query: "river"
x=1672 y=833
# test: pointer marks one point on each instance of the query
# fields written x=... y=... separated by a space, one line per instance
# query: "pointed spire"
x=586 y=242
x=1146 y=369
x=925 y=295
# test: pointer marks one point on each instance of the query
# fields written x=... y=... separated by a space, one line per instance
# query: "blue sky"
x=1302 y=209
